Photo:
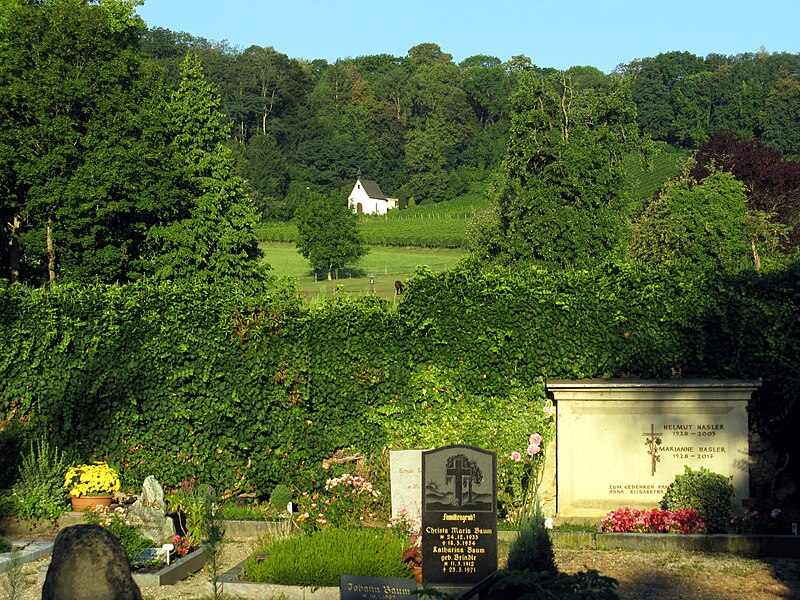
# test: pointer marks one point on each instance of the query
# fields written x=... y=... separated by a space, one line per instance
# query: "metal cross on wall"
x=652 y=443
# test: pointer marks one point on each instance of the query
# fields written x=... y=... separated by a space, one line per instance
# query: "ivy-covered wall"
x=249 y=390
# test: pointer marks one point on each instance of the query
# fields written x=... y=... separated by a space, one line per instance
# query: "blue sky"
x=553 y=33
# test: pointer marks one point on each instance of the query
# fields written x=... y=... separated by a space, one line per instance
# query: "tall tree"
x=327 y=234
x=81 y=140
x=703 y=226
x=561 y=190
x=772 y=183
x=212 y=236
x=653 y=90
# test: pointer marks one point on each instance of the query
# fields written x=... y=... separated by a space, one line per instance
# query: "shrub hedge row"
x=248 y=389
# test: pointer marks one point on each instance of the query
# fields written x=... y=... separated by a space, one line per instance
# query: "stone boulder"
x=89 y=562
x=150 y=512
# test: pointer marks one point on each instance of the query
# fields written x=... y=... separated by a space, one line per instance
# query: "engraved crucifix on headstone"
x=652 y=443
x=462 y=469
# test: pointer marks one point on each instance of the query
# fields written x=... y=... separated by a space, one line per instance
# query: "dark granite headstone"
x=459 y=516
x=357 y=587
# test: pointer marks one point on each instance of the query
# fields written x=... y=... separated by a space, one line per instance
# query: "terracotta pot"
x=82 y=503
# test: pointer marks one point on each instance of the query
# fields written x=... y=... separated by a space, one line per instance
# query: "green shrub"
x=5 y=545
x=280 y=497
x=710 y=494
x=11 y=445
x=320 y=558
x=39 y=492
x=532 y=549
x=130 y=536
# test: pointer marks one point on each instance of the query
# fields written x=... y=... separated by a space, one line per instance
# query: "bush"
x=710 y=494
x=320 y=558
x=11 y=445
x=532 y=549
x=130 y=536
x=280 y=497
x=39 y=492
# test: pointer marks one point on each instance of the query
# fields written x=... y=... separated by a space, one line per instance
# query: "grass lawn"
x=387 y=264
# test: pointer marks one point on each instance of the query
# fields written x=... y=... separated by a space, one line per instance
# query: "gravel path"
x=641 y=575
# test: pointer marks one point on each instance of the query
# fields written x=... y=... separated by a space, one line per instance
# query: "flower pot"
x=82 y=503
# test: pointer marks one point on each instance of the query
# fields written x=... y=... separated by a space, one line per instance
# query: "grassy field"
x=432 y=235
x=386 y=264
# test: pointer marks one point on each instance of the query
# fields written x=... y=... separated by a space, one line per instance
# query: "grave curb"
x=174 y=572
x=750 y=546
x=231 y=586
x=32 y=551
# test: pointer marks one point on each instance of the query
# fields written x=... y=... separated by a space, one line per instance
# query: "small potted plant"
x=91 y=485
x=413 y=558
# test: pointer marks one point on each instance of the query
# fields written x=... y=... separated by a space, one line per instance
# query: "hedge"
x=249 y=389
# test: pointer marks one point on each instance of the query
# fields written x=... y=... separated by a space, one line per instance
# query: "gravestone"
x=358 y=587
x=150 y=512
x=459 y=516
x=405 y=472
x=89 y=562
x=622 y=442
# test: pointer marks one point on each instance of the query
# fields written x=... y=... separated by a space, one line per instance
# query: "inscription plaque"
x=622 y=442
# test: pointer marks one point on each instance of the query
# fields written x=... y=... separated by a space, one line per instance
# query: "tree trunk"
x=51 y=254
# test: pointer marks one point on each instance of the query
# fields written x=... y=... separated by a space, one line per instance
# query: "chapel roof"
x=372 y=188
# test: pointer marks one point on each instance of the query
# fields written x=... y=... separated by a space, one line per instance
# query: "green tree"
x=560 y=194
x=81 y=141
x=780 y=117
x=213 y=235
x=327 y=234
x=267 y=171
x=704 y=227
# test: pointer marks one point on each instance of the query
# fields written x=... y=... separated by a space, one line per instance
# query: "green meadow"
x=385 y=264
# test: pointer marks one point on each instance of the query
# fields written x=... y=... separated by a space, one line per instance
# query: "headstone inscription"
x=459 y=516
x=357 y=587
x=150 y=511
x=405 y=471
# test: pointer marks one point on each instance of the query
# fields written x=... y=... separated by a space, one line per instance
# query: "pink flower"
x=549 y=410
x=536 y=440
x=516 y=456
x=533 y=449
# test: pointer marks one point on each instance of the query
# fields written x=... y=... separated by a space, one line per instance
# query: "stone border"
x=231 y=586
x=750 y=546
x=252 y=530
x=174 y=572
x=29 y=552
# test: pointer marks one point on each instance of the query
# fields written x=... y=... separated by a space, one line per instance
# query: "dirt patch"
x=661 y=575
x=641 y=575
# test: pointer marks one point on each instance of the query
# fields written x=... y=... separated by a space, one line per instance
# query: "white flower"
x=548 y=523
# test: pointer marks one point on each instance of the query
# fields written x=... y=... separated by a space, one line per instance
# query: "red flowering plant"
x=182 y=545
x=635 y=520
x=347 y=501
